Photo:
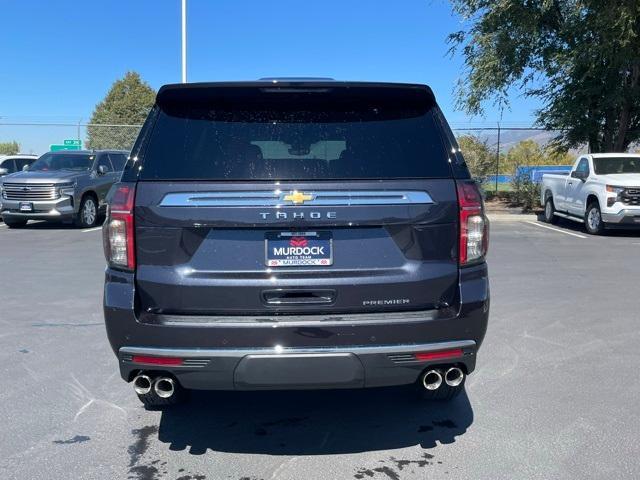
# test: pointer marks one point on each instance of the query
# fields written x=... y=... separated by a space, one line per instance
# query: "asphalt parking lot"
x=555 y=394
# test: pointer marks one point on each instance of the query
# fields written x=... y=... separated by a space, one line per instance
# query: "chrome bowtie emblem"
x=298 y=198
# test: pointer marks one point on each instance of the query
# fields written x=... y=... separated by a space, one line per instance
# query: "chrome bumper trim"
x=277 y=350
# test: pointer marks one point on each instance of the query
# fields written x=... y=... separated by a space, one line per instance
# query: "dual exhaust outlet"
x=433 y=379
x=164 y=387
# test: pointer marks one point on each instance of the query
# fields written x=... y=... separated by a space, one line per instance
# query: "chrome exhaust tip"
x=432 y=379
x=142 y=384
x=164 y=387
x=454 y=376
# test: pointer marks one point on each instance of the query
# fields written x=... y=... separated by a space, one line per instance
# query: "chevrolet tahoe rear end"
x=295 y=235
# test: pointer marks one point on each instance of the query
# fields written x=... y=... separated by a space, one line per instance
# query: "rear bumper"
x=296 y=368
x=627 y=217
x=286 y=352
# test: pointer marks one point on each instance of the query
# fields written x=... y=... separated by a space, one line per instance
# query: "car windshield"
x=61 y=161
x=612 y=165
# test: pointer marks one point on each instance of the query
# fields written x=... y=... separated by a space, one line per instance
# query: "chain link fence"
x=34 y=136
x=38 y=137
x=510 y=153
x=120 y=137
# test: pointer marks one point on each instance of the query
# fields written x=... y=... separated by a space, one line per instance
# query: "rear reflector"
x=454 y=352
x=157 y=360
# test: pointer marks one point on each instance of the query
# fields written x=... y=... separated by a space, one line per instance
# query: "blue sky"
x=59 y=58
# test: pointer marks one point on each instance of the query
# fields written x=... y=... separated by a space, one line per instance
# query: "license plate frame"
x=297 y=239
x=26 y=207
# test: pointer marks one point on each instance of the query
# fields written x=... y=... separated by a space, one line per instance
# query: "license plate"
x=292 y=249
x=26 y=207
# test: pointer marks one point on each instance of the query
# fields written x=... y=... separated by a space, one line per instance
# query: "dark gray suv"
x=64 y=185
x=292 y=234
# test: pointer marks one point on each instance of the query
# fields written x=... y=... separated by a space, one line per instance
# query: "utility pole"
x=184 y=41
x=498 y=158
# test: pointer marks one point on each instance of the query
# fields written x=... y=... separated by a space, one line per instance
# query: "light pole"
x=498 y=159
x=184 y=41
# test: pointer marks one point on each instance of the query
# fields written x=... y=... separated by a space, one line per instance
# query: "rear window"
x=325 y=142
x=613 y=165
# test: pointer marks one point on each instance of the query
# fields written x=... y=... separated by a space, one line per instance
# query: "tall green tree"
x=580 y=57
x=525 y=152
x=9 y=148
x=127 y=104
x=529 y=153
x=478 y=156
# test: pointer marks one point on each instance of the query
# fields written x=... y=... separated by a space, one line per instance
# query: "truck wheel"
x=593 y=219
x=549 y=210
x=87 y=215
x=15 y=222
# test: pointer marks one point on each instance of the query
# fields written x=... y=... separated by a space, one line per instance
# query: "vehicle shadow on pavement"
x=579 y=228
x=51 y=225
x=312 y=422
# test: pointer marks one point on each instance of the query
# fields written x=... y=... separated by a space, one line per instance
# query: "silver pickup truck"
x=61 y=186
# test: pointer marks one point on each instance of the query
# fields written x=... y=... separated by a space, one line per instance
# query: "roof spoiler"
x=300 y=91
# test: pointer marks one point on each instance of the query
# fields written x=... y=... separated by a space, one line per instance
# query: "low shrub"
x=525 y=193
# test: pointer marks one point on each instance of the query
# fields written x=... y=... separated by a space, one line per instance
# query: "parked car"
x=602 y=191
x=15 y=163
x=295 y=235
x=64 y=185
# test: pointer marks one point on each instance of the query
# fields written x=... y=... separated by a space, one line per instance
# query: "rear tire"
x=593 y=219
x=549 y=211
x=15 y=222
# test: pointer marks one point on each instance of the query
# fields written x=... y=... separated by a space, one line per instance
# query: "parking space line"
x=94 y=229
x=556 y=229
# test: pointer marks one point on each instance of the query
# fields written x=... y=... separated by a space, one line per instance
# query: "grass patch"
x=491 y=187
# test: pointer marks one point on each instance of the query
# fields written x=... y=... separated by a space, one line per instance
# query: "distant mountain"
x=509 y=138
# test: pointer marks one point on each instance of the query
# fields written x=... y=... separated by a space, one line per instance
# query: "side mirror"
x=102 y=169
x=3 y=171
x=25 y=168
x=580 y=175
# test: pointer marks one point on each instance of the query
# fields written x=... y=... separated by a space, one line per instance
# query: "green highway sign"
x=57 y=148
x=67 y=144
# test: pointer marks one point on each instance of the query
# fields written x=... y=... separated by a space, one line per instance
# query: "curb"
x=511 y=217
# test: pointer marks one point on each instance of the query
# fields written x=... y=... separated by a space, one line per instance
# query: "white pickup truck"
x=602 y=190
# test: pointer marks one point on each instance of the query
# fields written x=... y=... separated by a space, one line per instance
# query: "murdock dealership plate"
x=293 y=249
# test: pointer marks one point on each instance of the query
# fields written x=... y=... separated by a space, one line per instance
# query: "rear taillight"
x=117 y=233
x=474 y=227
